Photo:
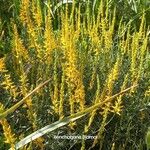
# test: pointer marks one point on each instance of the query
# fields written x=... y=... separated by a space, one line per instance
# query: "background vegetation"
x=88 y=51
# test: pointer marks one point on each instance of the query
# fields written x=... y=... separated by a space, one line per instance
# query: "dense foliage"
x=86 y=51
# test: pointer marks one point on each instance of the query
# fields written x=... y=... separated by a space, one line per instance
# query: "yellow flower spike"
x=113 y=146
x=102 y=128
x=56 y=90
x=19 y=51
x=142 y=27
x=8 y=85
x=117 y=108
x=73 y=75
x=31 y=114
x=143 y=51
x=2 y=65
x=37 y=14
x=92 y=115
x=147 y=93
x=134 y=53
x=49 y=45
x=9 y=136
x=113 y=75
x=61 y=103
x=72 y=125
x=24 y=11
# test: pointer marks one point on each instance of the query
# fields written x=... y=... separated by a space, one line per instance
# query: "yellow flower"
x=117 y=107
x=2 y=65
x=9 y=136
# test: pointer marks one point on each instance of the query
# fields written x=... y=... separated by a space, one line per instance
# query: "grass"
x=89 y=53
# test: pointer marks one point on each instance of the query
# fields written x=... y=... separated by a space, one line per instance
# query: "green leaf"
x=147 y=139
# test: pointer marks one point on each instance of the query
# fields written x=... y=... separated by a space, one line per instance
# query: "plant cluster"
x=80 y=60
